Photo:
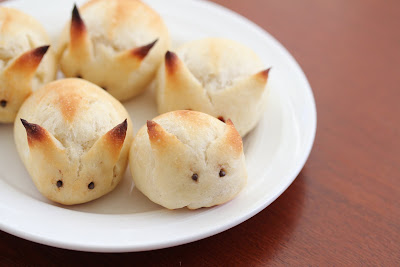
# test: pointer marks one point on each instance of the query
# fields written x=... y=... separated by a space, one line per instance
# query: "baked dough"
x=217 y=76
x=188 y=159
x=26 y=63
x=74 y=140
x=116 y=44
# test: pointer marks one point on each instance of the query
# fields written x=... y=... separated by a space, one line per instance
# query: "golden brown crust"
x=119 y=11
x=68 y=102
x=193 y=117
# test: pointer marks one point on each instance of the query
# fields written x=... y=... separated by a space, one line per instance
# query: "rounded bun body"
x=116 y=44
x=26 y=62
x=74 y=140
x=188 y=159
x=216 y=76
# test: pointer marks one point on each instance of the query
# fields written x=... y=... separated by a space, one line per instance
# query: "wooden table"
x=344 y=207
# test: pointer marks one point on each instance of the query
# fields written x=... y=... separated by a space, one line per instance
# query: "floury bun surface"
x=188 y=159
x=116 y=44
x=74 y=140
x=216 y=76
x=26 y=62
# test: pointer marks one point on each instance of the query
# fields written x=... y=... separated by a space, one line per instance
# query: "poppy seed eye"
x=3 y=103
x=222 y=173
x=59 y=183
x=91 y=185
x=195 y=177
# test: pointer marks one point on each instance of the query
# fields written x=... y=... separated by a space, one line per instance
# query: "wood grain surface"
x=344 y=207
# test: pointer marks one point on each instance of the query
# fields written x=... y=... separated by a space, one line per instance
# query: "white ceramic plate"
x=125 y=220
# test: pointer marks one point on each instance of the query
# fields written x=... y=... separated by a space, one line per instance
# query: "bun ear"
x=252 y=86
x=134 y=57
x=23 y=68
x=227 y=146
x=162 y=142
x=181 y=86
x=80 y=43
x=44 y=148
x=105 y=152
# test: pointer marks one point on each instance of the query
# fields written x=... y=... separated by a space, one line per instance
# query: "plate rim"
x=247 y=214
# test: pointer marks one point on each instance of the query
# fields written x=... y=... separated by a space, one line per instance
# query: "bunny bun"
x=25 y=61
x=74 y=140
x=188 y=159
x=116 y=44
x=216 y=76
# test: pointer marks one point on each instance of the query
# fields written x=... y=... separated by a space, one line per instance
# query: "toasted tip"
x=142 y=51
x=76 y=20
x=25 y=123
x=151 y=125
x=119 y=131
x=171 y=61
x=33 y=131
x=152 y=130
x=40 y=51
x=264 y=74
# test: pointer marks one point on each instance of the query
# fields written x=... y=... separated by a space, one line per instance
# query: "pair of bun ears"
x=43 y=145
x=80 y=44
x=80 y=47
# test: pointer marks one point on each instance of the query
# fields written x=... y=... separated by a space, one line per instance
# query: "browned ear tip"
x=152 y=130
x=150 y=125
x=25 y=123
x=264 y=74
x=170 y=56
x=40 y=51
x=33 y=131
x=233 y=137
x=119 y=131
x=142 y=51
x=171 y=61
x=76 y=20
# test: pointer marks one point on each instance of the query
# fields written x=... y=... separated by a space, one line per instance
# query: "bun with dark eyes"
x=26 y=62
x=188 y=159
x=74 y=140
x=220 y=77
x=116 y=44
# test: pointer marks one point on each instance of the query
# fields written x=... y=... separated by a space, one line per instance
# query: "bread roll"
x=188 y=159
x=26 y=63
x=219 y=77
x=116 y=44
x=74 y=140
